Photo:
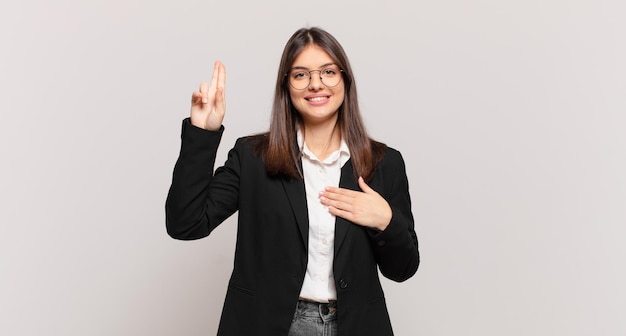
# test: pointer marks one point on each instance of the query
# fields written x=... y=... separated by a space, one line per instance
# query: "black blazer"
x=272 y=237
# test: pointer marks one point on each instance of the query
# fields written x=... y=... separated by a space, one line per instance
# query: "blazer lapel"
x=342 y=225
x=297 y=198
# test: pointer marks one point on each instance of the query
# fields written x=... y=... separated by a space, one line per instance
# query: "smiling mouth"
x=317 y=99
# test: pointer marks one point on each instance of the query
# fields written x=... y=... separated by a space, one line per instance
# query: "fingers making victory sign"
x=365 y=208
x=208 y=105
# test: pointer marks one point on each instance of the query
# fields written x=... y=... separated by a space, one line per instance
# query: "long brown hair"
x=278 y=146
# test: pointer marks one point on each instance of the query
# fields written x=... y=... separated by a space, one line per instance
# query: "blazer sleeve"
x=396 y=248
x=199 y=200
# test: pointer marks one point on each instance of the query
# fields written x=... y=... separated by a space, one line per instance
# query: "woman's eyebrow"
x=305 y=68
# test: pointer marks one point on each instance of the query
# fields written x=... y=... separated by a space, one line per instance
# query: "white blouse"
x=319 y=282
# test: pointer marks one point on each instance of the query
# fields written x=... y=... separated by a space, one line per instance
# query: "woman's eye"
x=299 y=75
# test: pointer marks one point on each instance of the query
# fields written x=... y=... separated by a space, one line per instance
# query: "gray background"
x=510 y=115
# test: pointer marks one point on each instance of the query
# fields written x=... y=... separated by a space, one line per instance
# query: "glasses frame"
x=311 y=75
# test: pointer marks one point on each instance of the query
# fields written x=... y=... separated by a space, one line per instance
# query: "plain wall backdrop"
x=511 y=117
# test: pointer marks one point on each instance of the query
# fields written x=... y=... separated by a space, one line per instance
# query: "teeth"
x=317 y=99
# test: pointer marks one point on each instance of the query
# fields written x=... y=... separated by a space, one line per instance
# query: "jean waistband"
x=325 y=307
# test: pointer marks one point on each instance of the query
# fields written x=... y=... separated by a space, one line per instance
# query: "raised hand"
x=208 y=105
x=366 y=208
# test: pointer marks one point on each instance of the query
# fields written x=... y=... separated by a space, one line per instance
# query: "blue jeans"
x=314 y=319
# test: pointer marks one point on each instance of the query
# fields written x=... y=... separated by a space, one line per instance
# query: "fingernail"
x=204 y=100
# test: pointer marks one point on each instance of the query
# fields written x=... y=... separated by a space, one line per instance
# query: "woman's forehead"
x=312 y=57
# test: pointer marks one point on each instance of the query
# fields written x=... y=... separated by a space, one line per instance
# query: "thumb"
x=366 y=189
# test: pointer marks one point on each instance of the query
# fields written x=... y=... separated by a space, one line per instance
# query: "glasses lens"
x=299 y=78
x=330 y=75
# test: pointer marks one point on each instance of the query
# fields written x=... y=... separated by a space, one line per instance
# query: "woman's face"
x=317 y=102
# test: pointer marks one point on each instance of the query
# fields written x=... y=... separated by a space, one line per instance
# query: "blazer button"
x=343 y=284
x=381 y=243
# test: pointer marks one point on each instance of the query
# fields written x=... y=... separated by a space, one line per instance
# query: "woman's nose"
x=316 y=82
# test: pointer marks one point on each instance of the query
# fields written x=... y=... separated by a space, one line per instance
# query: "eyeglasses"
x=300 y=78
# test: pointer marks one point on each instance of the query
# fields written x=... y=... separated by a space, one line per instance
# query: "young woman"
x=322 y=207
